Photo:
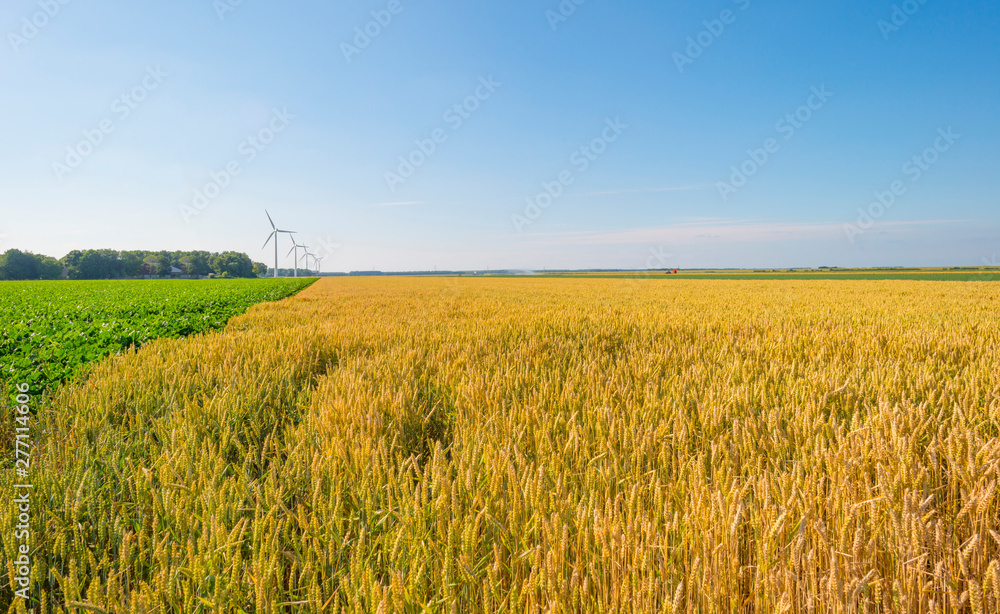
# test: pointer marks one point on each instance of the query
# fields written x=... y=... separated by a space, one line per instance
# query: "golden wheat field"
x=394 y=445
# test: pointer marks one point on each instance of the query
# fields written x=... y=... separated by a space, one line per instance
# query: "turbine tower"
x=275 y=231
x=295 y=248
x=305 y=255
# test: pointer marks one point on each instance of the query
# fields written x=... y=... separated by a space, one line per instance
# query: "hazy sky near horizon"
x=413 y=134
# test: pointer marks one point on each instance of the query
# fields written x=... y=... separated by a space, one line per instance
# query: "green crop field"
x=50 y=329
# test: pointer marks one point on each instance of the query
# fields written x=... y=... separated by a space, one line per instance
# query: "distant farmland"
x=933 y=274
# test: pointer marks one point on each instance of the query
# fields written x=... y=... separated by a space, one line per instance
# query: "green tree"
x=164 y=263
x=131 y=263
x=112 y=264
x=232 y=264
x=72 y=263
x=50 y=268
x=197 y=263
x=98 y=264
x=150 y=263
x=18 y=265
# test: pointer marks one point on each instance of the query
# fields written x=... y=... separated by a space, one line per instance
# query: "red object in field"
x=675 y=271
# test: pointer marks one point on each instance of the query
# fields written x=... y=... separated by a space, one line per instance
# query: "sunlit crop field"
x=536 y=445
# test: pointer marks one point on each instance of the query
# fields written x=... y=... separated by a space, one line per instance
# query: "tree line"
x=113 y=264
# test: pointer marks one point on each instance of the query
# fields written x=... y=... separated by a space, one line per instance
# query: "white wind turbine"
x=319 y=266
x=309 y=255
x=275 y=231
x=295 y=248
x=305 y=252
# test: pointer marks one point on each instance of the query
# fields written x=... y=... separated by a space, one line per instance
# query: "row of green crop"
x=49 y=330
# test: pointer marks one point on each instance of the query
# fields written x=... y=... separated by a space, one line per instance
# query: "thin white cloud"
x=634 y=190
x=726 y=231
x=400 y=204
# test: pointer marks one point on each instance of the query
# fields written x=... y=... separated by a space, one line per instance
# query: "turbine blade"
x=290 y=251
x=268 y=239
x=270 y=220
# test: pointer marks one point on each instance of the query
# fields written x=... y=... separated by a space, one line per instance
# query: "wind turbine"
x=305 y=256
x=309 y=255
x=319 y=266
x=274 y=235
x=295 y=248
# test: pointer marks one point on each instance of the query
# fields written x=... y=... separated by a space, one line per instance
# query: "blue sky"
x=522 y=135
